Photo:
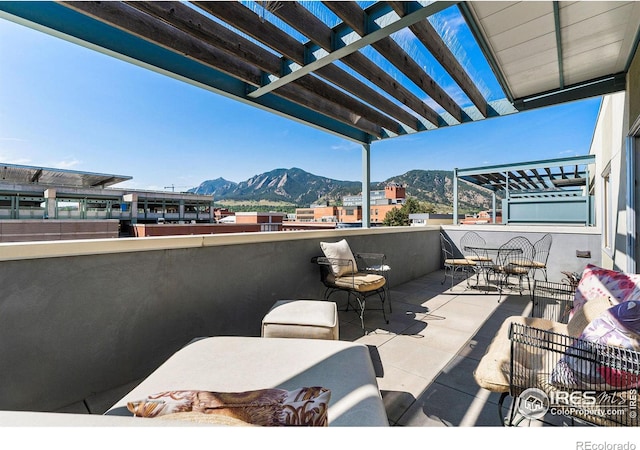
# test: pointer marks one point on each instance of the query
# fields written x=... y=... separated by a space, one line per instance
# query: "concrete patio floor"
x=425 y=356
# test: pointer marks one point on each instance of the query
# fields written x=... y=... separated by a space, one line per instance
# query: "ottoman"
x=311 y=319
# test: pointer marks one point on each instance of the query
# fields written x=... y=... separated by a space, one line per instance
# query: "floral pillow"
x=581 y=366
x=306 y=406
x=598 y=282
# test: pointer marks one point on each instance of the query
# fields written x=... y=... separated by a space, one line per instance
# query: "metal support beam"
x=631 y=205
x=493 y=207
x=556 y=19
x=505 y=214
x=366 y=185
x=587 y=89
x=455 y=196
x=588 y=220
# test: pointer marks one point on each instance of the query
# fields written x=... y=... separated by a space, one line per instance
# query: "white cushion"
x=240 y=363
x=310 y=319
x=340 y=250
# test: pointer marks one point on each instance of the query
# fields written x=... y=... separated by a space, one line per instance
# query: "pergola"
x=554 y=190
x=341 y=66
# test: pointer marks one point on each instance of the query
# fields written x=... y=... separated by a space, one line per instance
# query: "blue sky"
x=65 y=106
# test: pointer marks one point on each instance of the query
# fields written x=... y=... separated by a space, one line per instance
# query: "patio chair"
x=453 y=264
x=376 y=263
x=471 y=244
x=514 y=260
x=474 y=248
x=541 y=254
x=340 y=272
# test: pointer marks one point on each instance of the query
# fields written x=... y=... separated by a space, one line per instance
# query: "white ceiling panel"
x=572 y=46
x=528 y=84
x=529 y=49
x=606 y=11
x=528 y=31
x=515 y=16
x=545 y=58
x=535 y=72
x=581 y=66
x=485 y=9
x=597 y=37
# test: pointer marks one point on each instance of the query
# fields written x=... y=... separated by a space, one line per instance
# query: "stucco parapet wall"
x=555 y=229
x=51 y=249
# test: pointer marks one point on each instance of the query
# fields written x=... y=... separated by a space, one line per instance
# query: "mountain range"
x=300 y=188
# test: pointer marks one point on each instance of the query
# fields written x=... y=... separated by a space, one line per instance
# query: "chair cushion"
x=534 y=264
x=460 y=262
x=494 y=368
x=478 y=258
x=512 y=269
x=339 y=250
x=361 y=282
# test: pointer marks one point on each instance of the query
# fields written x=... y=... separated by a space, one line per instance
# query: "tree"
x=399 y=217
x=395 y=218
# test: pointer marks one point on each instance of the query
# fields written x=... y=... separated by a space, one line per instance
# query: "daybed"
x=230 y=364
x=577 y=357
x=240 y=364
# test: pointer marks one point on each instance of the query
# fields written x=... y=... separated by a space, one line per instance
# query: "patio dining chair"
x=471 y=245
x=453 y=264
x=514 y=260
x=540 y=256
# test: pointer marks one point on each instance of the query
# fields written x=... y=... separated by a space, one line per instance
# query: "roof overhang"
x=19 y=174
x=550 y=52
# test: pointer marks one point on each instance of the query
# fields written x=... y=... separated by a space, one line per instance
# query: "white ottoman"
x=311 y=319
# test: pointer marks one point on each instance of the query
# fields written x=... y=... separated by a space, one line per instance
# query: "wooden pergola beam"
x=161 y=33
x=318 y=32
x=354 y=16
x=430 y=38
x=248 y=22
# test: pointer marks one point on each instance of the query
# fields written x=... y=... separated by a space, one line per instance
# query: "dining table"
x=487 y=257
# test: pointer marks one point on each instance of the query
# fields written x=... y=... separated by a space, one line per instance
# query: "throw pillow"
x=306 y=406
x=598 y=282
x=583 y=364
x=340 y=250
x=583 y=316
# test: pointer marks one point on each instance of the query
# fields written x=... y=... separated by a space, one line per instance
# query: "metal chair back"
x=514 y=259
x=453 y=264
x=541 y=254
x=471 y=244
